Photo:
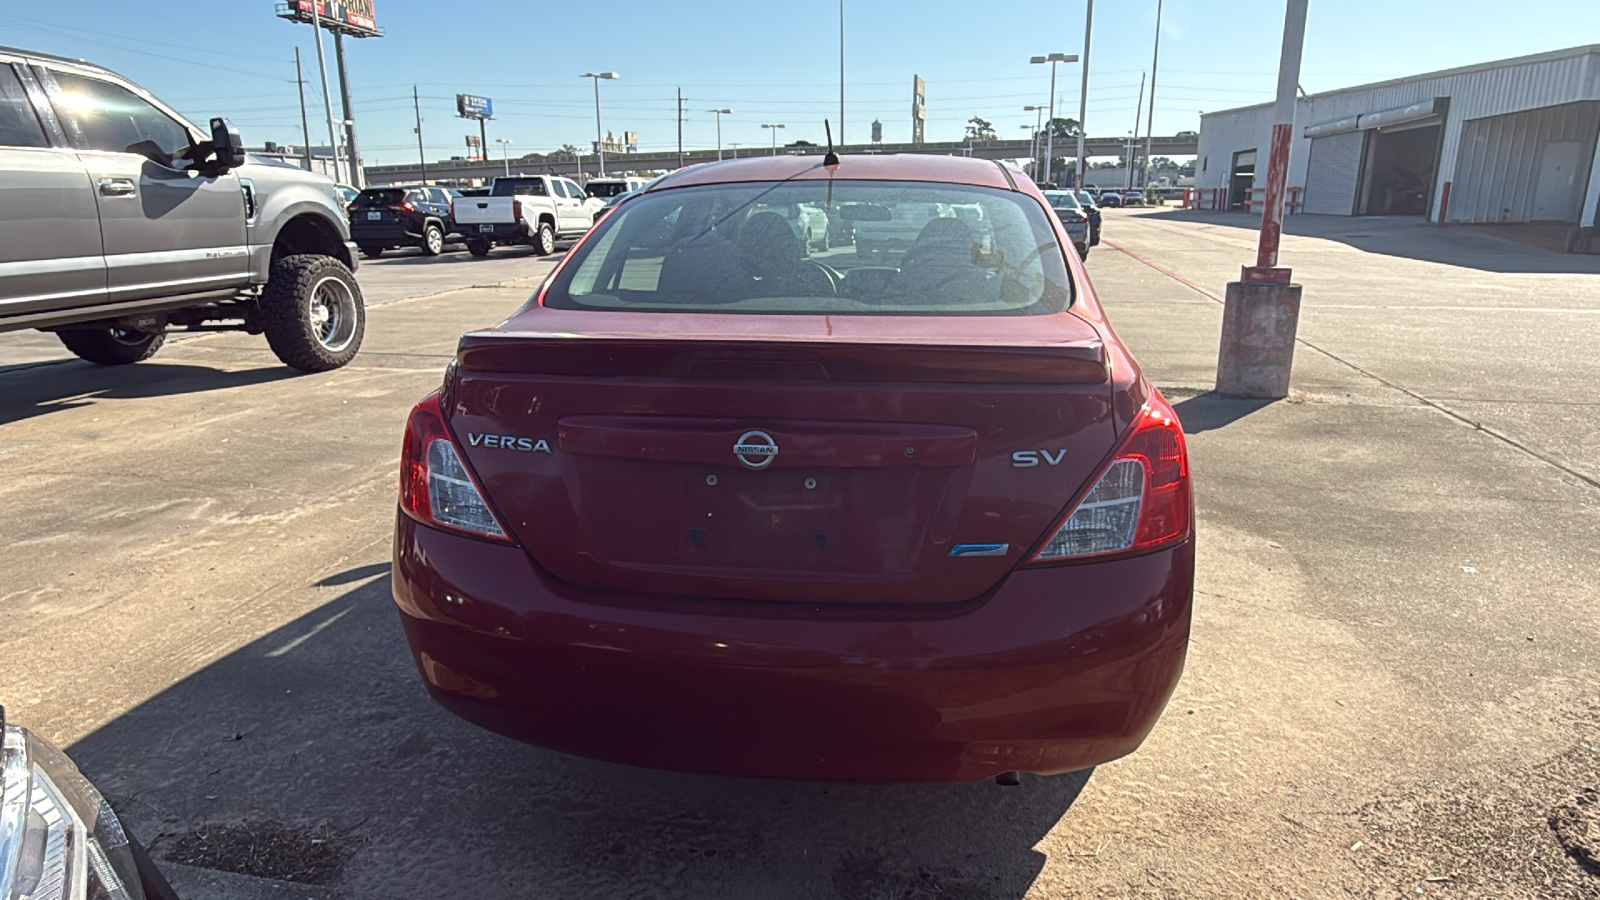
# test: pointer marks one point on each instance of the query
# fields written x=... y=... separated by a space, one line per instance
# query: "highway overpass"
x=616 y=163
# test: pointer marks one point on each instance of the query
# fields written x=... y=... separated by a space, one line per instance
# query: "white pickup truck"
x=536 y=210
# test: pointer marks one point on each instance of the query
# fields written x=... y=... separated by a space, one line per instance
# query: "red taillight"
x=516 y=210
x=403 y=207
x=435 y=486
x=1140 y=500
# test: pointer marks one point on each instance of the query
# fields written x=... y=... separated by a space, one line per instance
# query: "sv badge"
x=1027 y=459
x=508 y=442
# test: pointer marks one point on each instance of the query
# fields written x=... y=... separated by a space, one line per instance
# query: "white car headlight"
x=59 y=839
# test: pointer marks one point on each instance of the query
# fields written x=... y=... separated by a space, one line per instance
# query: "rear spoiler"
x=531 y=353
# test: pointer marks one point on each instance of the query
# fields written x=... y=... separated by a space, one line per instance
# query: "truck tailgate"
x=484 y=210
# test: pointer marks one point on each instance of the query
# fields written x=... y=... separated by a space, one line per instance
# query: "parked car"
x=59 y=838
x=606 y=188
x=1073 y=218
x=1133 y=198
x=1092 y=209
x=808 y=220
x=346 y=194
x=122 y=221
x=536 y=210
x=710 y=505
x=877 y=237
x=1110 y=199
x=393 y=216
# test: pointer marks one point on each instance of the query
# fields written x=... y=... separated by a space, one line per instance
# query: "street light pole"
x=1050 y=130
x=1083 y=92
x=720 y=113
x=1038 y=116
x=599 y=139
x=774 y=130
x=505 y=153
x=1150 y=114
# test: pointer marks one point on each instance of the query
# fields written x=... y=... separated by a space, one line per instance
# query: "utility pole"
x=356 y=175
x=1261 y=311
x=1150 y=121
x=1083 y=92
x=327 y=98
x=422 y=158
x=680 y=127
x=305 y=124
x=841 y=73
x=1133 y=145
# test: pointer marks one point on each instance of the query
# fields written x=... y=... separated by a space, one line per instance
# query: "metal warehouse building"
x=1509 y=141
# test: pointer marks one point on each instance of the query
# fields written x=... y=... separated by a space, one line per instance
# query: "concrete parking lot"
x=1391 y=688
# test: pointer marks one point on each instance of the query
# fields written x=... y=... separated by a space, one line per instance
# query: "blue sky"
x=770 y=62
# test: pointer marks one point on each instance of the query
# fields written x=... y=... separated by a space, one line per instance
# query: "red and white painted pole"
x=1294 y=38
x=1262 y=311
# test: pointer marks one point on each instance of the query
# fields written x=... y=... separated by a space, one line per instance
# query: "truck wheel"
x=544 y=242
x=371 y=251
x=312 y=312
x=432 y=240
x=111 y=346
x=478 y=247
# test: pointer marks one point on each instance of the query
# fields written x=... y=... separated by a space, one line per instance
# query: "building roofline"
x=1567 y=53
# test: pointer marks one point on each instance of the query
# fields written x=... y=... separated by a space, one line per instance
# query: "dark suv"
x=402 y=215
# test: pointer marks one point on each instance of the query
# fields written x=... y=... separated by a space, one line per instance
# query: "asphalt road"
x=1391 y=687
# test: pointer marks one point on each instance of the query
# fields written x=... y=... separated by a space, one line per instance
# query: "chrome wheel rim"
x=332 y=314
x=435 y=240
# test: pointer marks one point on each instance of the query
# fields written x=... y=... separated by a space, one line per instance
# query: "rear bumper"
x=1058 y=670
x=388 y=234
x=500 y=232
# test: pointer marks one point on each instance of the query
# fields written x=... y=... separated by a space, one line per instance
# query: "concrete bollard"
x=1256 y=353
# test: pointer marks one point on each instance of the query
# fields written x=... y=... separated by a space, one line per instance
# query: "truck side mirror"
x=227 y=145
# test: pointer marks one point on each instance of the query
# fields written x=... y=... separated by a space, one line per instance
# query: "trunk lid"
x=799 y=459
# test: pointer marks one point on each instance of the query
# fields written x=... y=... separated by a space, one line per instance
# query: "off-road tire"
x=544 y=240
x=287 y=317
x=111 y=346
x=371 y=251
x=432 y=240
x=478 y=247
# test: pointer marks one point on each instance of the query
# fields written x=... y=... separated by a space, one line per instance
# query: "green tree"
x=566 y=151
x=1064 y=128
x=980 y=129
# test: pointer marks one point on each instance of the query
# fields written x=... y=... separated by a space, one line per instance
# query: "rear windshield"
x=892 y=248
x=379 y=197
x=1062 y=199
x=505 y=187
x=606 y=189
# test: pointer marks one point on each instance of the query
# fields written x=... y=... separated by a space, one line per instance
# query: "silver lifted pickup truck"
x=120 y=221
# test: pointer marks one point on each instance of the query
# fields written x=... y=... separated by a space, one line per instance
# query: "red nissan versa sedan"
x=711 y=503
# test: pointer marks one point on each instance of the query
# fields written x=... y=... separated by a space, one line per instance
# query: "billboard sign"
x=919 y=108
x=630 y=140
x=469 y=106
x=351 y=16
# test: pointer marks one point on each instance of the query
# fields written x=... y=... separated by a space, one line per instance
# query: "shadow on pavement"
x=29 y=391
x=1491 y=248
x=323 y=726
x=1211 y=410
x=455 y=254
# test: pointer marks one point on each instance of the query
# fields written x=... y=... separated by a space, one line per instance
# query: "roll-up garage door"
x=1333 y=173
